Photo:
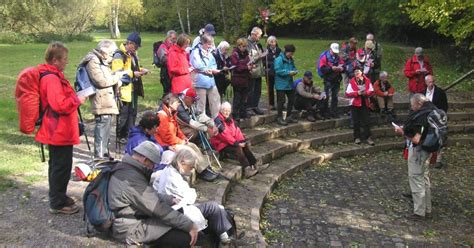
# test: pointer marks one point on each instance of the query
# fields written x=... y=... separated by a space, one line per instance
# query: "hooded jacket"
x=60 y=125
x=168 y=132
x=178 y=69
x=136 y=137
x=103 y=101
x=283 y=66
x=141 y=214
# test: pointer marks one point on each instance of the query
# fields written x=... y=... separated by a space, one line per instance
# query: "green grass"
x=19 y=155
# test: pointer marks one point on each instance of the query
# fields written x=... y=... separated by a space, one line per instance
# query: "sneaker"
x=70 y=200
x=250 y=171
x=258 y=111
x=281 y=122
x=208 y=175
x=357 y=141
x=370 y=142
x=72 y=209
x=311 y=118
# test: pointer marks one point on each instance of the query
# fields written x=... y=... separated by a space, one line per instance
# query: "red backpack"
x=27 y=95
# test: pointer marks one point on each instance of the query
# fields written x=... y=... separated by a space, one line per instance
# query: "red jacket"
x=231 y=134
x=168 y=132
x=60 y=125
x=378 y=89
x=352 y=92
x=178 y=69
x=416 y=82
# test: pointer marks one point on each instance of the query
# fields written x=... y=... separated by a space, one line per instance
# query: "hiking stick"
x=267 y=81
x=85 y=134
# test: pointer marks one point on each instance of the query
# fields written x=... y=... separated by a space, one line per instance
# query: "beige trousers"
x=418 y=176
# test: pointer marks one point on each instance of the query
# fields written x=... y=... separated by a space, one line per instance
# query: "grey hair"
x=256 y=30
x=206 y=38
x=170 y=32
x=429 y=75
x=107 y=46
x=186 y=155
x=369 y=36
x=418 y=99
x=223 y=45
x=271 y=38
x=383 y=74
x=226 y=105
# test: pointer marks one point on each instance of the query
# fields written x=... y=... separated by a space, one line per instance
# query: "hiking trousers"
x=59 y=173
x=418 y=176
x=127 y=117
x=103 y=124
x=212 y=96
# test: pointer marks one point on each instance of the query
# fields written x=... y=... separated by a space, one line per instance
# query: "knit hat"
x=209 y=28
x=149 y=150
x=135 y=37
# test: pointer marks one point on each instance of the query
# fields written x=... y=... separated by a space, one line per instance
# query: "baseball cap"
x=135 y=37
x=209 y=28
x=190 y=92
x=149 y=150
x=419 y=51
x=308 y=74
x=334 y=47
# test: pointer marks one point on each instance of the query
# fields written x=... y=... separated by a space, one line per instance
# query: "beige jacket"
x=103 y=101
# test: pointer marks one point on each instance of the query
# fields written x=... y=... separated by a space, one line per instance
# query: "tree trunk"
x=117 y=31
x=187 y=16
x=114 y=13
x=223 y=17
x=179 y=17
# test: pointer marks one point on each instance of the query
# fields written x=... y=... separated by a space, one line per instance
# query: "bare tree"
x=114 y=16
x=179 y=16
x=187 y=16
x=223 y=16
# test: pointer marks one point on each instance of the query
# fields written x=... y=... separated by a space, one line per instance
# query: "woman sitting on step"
x=231 y=141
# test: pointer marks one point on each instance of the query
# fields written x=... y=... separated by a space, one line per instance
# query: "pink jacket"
x=231 y=134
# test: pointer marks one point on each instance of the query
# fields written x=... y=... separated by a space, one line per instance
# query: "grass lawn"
x=20 y=154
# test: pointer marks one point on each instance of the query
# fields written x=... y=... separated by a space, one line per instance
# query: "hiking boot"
x=370 y=142
x=70 y=200
x=291 y=120
x=72 y=209
x=208 y=175
x=311 y=118
x=439 y=165
x=357 y=141
x=258 y=111
x=415 y=217
x=281 y=122
x=250 y=171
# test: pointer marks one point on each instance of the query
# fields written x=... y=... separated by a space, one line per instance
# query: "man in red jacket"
x=416 y=68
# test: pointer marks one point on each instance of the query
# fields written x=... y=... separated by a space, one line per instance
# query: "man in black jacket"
x=438 y=97
x=415 y=130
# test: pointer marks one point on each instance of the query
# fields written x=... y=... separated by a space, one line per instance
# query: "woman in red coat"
x=359 y=91
x=179 y=68
x=60 y=126
x=231 y=141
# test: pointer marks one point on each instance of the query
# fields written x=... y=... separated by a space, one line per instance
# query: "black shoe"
x=291 y=120
x=281 y=122
x=407 y=195
x=258 y=111
x=439 y=165
x=208 y=175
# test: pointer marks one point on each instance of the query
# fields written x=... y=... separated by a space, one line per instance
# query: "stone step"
x=247 y=197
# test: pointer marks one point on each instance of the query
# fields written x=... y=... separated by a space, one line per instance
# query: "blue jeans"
x=332 y=87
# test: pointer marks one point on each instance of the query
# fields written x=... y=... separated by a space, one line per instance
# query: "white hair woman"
x=231 y=141
x=208 y=215
x=273 y=51
x=221 y=55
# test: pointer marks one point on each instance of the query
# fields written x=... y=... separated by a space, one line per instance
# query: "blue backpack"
x=320 y=73
x=296 y=82
x=96 y=204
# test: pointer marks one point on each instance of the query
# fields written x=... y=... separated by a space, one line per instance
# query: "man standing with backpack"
x=162 y=60
x=103 y=104
x=330 y=68
x=126 y=59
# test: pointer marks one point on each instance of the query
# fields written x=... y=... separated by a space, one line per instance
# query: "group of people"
x=154 y=204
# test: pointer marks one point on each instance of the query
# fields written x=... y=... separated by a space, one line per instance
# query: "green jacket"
x=141 y=215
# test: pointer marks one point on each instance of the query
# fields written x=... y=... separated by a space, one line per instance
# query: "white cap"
x=334 y=47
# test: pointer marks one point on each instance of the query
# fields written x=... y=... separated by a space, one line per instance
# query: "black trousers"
x=243 y=155
x=360 y=117
x=174 y=238
x=271 y=90
x=331 y=89
x=59 y=173
x=127 y=118
x=255 y=91
x=308 y=104
x=239 y=101
x=290 y=94
x=165 y=80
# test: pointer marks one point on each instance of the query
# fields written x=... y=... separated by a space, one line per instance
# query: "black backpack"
x=98 y=216
x=156 y=60
x=437 y=133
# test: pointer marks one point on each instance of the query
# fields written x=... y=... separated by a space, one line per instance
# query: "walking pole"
x=119 y=106
x=267 y=82
x=85 y=134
